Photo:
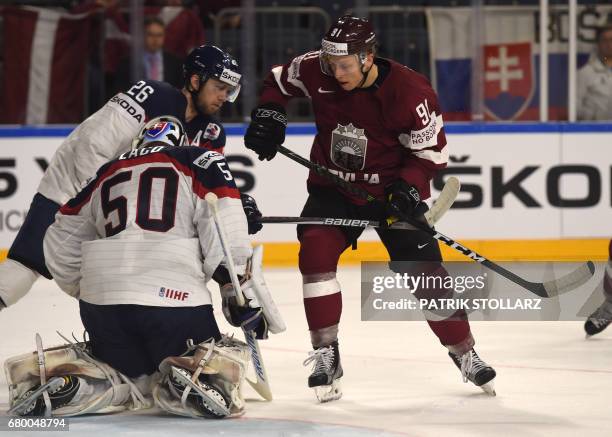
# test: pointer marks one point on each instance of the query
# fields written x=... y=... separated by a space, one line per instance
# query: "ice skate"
x=475 y=370
x=599 y=320
x=326 y=373
x=61 y=391
x=205 y=397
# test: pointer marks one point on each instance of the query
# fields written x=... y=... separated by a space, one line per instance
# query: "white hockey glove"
x=258 y=298
x=249 y=316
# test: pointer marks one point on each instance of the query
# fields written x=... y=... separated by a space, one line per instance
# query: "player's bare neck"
x=372 y=74
x=190 y=110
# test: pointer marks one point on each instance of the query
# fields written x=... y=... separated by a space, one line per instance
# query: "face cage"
x=326 y=67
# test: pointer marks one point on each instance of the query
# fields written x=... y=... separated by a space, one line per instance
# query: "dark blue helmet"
x=209 y=61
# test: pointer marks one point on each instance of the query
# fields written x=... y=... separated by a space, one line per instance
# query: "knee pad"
x=97 y=387
x=320 y=249
x=205 y=382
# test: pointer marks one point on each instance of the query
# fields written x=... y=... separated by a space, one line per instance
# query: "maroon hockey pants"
x=320 y=249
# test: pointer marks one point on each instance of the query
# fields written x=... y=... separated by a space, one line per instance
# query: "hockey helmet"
x=166 y=130
x=347 y=36
x=210 y=61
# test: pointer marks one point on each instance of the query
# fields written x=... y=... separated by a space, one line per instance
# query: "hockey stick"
x=262 y=385
x=543 y=289
x=441 y=205
x=334 y=221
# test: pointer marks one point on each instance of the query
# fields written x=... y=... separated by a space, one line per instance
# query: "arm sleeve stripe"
x=277 y=72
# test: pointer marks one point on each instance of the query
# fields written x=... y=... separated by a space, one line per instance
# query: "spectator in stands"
x=209 y=10
x=156 y=62
x=594 y=92
x=184 y=29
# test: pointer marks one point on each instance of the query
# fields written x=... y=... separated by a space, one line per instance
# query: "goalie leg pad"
x=98 y=388
x=257 y=290
x=206 y=381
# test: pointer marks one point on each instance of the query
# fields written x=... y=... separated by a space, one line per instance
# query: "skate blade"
x=213 y=403
x=489 y=388
x=328 y=393
x=22 y=404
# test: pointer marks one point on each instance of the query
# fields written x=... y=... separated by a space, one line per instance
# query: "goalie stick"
x=262 y=385
x=552 y=288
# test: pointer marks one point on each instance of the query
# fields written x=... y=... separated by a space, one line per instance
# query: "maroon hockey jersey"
x=370 y=136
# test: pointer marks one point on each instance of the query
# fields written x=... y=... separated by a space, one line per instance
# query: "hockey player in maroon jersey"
x=602 y=316
x=379 y=124
x=212 y=77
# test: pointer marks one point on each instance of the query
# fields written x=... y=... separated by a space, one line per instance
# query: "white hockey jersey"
x=109 y=132
x=140 y=232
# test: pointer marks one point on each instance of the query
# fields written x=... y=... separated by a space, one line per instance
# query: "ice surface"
x=398 y=378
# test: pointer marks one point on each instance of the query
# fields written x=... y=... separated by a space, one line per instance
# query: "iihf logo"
x=173 y=294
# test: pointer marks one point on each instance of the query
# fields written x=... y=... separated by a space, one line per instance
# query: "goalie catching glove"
x=259 y=312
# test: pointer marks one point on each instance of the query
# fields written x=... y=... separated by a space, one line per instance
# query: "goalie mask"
x=165 y=130
x=347 y=36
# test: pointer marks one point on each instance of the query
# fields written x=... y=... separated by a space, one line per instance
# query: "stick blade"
x=571 y=280
x=443 y=203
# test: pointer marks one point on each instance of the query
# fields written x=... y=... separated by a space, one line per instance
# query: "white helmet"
x=165 y=129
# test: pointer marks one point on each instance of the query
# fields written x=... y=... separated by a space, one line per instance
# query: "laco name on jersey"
x=141 y=152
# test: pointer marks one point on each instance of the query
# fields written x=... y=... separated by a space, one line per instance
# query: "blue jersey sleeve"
x=206 y=132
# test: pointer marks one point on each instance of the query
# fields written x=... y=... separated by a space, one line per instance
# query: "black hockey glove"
x=247 y=317
x=267 y=130
x=402 y=200
x=253 y=214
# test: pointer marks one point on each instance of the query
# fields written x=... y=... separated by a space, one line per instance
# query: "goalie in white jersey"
x=137 y=246
x=212 y=77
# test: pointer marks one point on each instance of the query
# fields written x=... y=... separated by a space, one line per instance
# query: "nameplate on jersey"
x=229 y=76
x=141 y=152
x=207 y=158
x=128 y=107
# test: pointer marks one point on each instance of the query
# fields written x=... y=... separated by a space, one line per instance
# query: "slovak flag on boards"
x=45 y=63
x=509 y=50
